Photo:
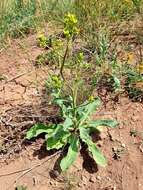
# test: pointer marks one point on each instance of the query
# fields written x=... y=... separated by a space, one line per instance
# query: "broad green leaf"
x=39 y=129
x=96 y=154
x=68 y=123
x=108 y=123
x=65 y=105
x=68 y=160
x=58 y=138
x=87 y=109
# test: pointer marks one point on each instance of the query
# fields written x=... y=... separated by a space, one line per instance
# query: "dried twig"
x=16 y=77
x=12 y=173
x=26 y=171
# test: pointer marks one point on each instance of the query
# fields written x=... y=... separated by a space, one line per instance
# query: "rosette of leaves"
x=76 y=128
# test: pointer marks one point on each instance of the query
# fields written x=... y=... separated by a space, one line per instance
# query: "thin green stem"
x=64 y=59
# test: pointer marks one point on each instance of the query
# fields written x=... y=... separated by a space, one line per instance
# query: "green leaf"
x=65 y=105
x=68 y=160
x=68 y=123
x=39 y=129
x=98 y=122
x=86 y=109
x=96 y=154
x=58 y=138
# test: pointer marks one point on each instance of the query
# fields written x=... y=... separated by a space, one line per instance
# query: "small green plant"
x=53 y=55
x=137 y=4
x=43 y=41
x=76 y=128
x=2 y=77
x=21 y=188
x=42 y=59
x=77 y=125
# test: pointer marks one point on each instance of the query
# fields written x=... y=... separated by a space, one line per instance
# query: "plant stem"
x=64 y=59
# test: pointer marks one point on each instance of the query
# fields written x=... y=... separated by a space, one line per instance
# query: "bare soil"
x=23 y=102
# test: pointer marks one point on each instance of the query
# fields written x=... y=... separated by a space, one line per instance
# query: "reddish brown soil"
x=22 y=100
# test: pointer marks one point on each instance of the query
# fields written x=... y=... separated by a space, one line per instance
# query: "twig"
x=13 y=79
x=26 y=171
x=16 y=77
x=12 y=173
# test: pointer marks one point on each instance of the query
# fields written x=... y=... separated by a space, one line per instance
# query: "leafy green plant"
x=21 y=188
x=54 y=50
x=137 y=4
x=77 y=126
x=43 y=41
x=42 y=59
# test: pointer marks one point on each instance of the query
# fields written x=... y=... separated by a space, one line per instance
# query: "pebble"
x=84 y=180
x=98 y=177
x=123 y=145
x=92 y=179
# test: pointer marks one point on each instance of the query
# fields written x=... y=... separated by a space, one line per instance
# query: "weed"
x=2 y=77
x=43 y=41
x=77 y=125
x=54 y=47
x=21 y=188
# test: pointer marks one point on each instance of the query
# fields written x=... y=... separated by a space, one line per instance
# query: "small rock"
x=51 y=183
x=79 y=184
x=84 y=180
x=123 y=145
x=35 y=180
x=100 y=143
x=98 y=177
x=92 y=179
x=141 y=148
x=108 y=178
x=114 y=136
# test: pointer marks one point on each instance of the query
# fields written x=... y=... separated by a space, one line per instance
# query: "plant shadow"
x=88 y=162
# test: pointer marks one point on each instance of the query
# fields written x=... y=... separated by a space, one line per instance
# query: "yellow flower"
x=140 y=68
x=130 y=58
x=91 y=98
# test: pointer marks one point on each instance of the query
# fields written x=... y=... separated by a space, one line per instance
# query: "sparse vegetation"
x=81 y=61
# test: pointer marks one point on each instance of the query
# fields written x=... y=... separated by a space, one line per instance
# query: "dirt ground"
x=23 y=103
